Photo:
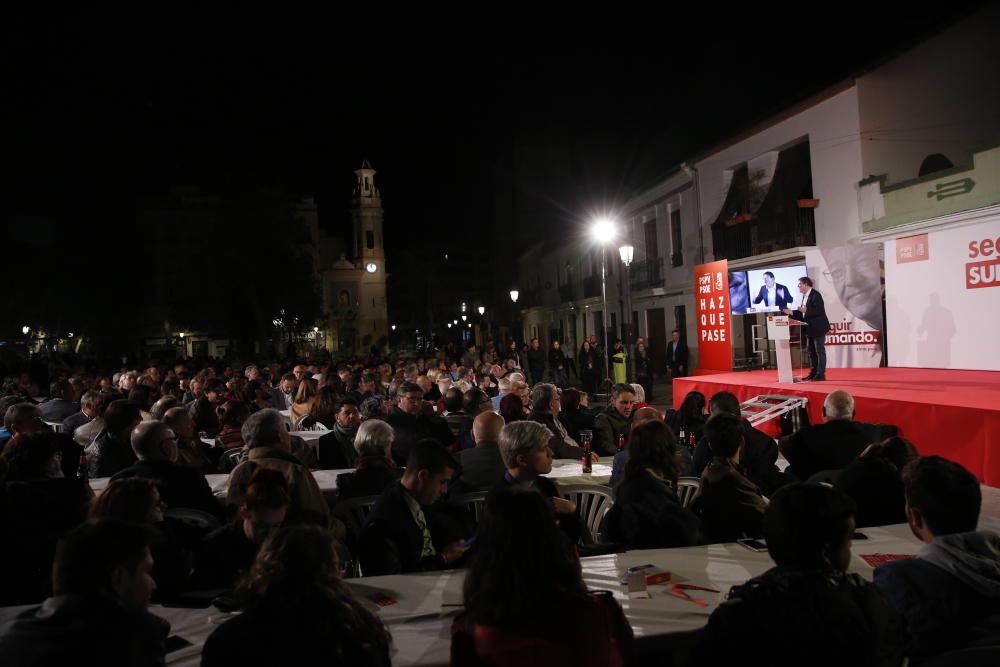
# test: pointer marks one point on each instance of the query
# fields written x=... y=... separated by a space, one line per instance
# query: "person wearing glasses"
x=155 y=446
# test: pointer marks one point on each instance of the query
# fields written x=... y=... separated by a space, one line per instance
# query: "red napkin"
x=875 y=560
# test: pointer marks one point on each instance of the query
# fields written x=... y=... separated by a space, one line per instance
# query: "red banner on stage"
x=711 y=295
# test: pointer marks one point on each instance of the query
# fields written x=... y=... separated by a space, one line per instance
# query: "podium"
x=779 y=330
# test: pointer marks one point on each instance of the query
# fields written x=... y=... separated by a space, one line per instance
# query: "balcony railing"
x=648 y=273
x=757 y=235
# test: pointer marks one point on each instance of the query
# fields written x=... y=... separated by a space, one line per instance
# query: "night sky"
x=481 y=125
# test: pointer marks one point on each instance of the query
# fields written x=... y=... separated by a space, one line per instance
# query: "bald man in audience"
x=482 y=466
x=639 y=417
x=833 y=445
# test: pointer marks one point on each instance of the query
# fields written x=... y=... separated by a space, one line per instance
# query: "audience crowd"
x=413 y=434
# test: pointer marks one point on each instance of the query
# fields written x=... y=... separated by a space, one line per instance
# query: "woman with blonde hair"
x=305 y=398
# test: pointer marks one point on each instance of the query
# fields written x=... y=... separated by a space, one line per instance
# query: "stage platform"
x=955 y=414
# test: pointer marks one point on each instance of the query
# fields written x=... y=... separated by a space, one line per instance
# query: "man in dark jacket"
x=230 y=550
x=336 y=448
x=482 y=466
x=536 y=361
x=949 y=595
x=98 y=614
x=545 y=406
x=613 y=425
x=203 y=410
x=403 y=533
x=832 y=445
x=731 y=506
x=376 y=471
x=411 y=423
x=112 y=451
x=155 y=445
x=63 y=402
x=88 y=410
x=677 y=355
x=813 y=313
x=829 y=617
x=524 y=447
x=759 y=453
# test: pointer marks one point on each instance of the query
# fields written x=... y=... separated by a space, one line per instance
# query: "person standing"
x=536 y=361
x=619 y=363
x=677 y=355
x=557 y=364
x=813 y=313
x=644 y=370
x=589 y=370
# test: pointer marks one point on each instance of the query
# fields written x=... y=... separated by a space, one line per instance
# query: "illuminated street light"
x=482 y=310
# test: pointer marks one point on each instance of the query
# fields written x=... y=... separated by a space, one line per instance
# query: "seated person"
x=524 y=448
x=611 y=426
x=192 y=451
x=828 y=617
x=689 y=418
x=38 y=506
x=375 y=470
x=203 y=408
x=730 y=505
x=411 y=422
x=647 y=513
x=639 y=417
x=136 y=499
x=112 y=451
x=98 y=614
x=759 y=450
x=949 y=595
x=336 y=448
x=84 y=434
x=832 y=445
x=298 y=612
x=526 y=604
x=232 y=415
x=482 y=466
x=155 y=446
x=229 y=551
x=573 y=414
x=545 y=407
x=269 y=446
x=61 y=404
x=875 y=482
x=403 y=533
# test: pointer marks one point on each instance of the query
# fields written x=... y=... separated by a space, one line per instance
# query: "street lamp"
x=482 y=310
x=513 y=310
x=465 y=317
x=603 y=231
x=25 y=329
x=627 y=252
x=393 y=327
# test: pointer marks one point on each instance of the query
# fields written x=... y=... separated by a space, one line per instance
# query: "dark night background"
x=487 y=129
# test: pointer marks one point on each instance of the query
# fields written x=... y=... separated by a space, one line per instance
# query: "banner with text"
x=943 y=297
x=711 y=295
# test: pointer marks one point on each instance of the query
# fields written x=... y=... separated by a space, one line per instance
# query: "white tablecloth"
x=420 y=620
x=563 y=472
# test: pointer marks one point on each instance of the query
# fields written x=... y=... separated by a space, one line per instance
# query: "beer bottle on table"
x=621 y=441
x=81 y=469
x=586 y=461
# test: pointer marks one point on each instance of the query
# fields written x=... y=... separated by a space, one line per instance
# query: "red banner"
x=711 y=298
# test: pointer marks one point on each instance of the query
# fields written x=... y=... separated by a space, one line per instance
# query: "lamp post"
x=513 y=310
x=603 y=232
x=627 y=252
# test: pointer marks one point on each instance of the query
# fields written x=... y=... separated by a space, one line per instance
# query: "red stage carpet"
x=955 y=414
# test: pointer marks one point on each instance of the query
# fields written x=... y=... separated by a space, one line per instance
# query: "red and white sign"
x=912 y=249
x=711 y=297
x=939 y=313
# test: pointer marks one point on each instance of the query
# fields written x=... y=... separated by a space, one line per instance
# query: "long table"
x=564 y=472
x=420 y=620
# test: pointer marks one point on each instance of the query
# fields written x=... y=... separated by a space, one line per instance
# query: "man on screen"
x=813 y=313
x=773 y=294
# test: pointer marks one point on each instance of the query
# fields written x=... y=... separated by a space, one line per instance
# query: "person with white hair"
x=376 y=469
x=832 y=445
x=640 y=396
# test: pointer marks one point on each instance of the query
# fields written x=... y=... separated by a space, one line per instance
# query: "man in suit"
x=412 y=421
x=772 y=293
x=677 y=355
x=757 y=455
x=482 y=466
x=832 y=445
x=813 y=313
x=404 y=533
